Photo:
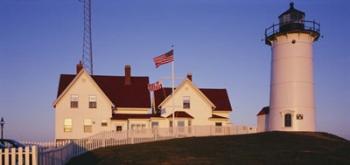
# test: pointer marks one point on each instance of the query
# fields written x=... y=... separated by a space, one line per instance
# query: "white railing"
x=47 y=144
x=61 y=152
x=20 y=156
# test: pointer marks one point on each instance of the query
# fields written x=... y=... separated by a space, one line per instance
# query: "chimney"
x=79 y=67
x=189 y=76
x=127 y=75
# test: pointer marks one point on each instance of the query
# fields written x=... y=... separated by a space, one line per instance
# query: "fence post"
x=1 y=153
x=6 y=153
x=27 y=154
x=132 y=137
x=13 y=155
x=155 y=133
x=35 y=155
x=104 y=140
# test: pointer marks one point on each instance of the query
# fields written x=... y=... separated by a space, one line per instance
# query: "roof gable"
x=181 y=86
x=135 y=95
x=218 y=97
x=264 y=111
x=67 y=81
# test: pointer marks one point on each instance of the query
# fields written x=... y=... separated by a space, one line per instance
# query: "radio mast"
x=87 y=41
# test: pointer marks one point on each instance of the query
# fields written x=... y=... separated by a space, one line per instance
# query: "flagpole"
x=173 y=86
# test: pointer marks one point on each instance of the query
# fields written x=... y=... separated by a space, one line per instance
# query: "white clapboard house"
x=88 y=104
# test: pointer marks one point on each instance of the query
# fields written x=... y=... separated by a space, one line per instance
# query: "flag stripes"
x=164 y=58
x=155 y=86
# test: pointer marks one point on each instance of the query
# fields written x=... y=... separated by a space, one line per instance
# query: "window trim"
x=92 y=102
x=186 y=102
x=183 y=124
x=104 y=123
x=288 y=120
x=87 y=126
x=218 y=124
x=67 y=126
x=119 y=126
x=154 y=124
x=74 y=101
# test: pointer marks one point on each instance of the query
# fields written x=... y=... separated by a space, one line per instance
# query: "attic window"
x=186 y=102
x=92 y=102
x=74 y=101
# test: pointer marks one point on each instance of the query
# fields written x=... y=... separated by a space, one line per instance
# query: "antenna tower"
x=87 y=41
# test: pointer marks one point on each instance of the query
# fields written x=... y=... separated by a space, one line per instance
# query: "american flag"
x=164 y=58
x=155 y=86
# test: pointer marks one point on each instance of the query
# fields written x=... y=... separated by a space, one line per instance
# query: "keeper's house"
x=88 y=104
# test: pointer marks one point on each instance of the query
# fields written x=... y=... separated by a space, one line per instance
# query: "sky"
x=220 y=42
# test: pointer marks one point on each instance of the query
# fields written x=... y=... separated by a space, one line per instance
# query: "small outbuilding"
x=263 y=119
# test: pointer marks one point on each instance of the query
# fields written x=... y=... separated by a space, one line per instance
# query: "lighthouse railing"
x=312 y=26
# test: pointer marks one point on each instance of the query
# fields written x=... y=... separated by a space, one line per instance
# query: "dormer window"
x=74 y=101
x=186 y=102
x=92 y=102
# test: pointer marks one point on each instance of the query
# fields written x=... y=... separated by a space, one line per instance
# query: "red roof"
x=132 y=116
x=218 y=117
x=218 y=97
x=181 y=114
x=264 y=111
x=135 y=95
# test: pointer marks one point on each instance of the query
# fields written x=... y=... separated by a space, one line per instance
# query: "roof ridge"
x=202 y=88
x=105 y=76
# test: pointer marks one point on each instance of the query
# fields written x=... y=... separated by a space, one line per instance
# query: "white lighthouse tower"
x=292 y=105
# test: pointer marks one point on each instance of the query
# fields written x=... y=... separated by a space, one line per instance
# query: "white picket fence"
x=61 y=152
x=46 y=145
x=20 y=156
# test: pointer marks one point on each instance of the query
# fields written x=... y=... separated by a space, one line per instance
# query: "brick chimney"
x=189 y=76
x=79 y=67
x=127 y=75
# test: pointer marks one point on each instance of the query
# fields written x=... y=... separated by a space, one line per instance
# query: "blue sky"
x=219 y=41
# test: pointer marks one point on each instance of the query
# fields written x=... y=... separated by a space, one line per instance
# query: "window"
x=87 y=126
x=67 y=125
x=92 y=102
x=288 y=120
x=189 y=123
x=218 y=124
x=138 y=126
x=104 y=123
x=218 y=127
x=170 y=123
x=74 y=101
x=154 y=124
x=186 y=102
x=119 y=128
x=300 y=116
x=180 y=123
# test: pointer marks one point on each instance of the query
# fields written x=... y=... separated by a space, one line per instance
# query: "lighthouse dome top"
x=292 y=12
x=292 y=21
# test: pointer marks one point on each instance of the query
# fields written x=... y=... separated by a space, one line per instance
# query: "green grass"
x=263 y=148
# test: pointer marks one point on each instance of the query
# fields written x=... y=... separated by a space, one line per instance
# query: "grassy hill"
x=263 y=148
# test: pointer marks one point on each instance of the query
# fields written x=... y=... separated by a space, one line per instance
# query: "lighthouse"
x=292 y=106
